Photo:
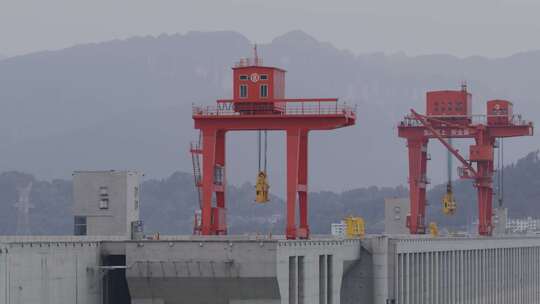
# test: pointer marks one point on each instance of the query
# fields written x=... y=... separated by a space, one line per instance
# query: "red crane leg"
x=485 y=196
x=484 y=183
x=220 y=217
x=417 y=184
x=303 y=230
x=208 y=160
x=293 y=150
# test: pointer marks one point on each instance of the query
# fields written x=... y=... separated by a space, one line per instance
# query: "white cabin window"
x=264 y=90
x=243 y=90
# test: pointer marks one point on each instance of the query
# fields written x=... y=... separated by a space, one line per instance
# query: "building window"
x=104 y=190
x=264 y=90
x=136 y=196
x=104 y=203
x=243 y=77
x=80 y=225
x=243 y=90
x=103 y=198
x=264 y=77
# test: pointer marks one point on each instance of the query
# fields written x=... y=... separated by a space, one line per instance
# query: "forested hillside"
x=167 y=205
x=521 y=194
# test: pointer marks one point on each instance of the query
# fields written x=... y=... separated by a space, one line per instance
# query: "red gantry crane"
x=259 y=104
x=449 y=116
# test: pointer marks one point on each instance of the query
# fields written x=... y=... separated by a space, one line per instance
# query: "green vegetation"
x=168 y=205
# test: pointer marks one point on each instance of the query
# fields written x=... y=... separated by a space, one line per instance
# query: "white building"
x=106 y=202
x=338 y=229
x=500 y=221
x=395 y=215
x=523 y=225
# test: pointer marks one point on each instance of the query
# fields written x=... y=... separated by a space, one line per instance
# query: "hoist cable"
x=500 y=172
x=265 y=149
x=449 y=163
x=263 y=156
x=501 y=177
x=259 y=148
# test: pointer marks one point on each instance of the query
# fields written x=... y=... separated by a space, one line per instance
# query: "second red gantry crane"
x=448 y=115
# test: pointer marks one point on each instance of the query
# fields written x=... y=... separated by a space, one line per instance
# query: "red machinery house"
x=499 y=112
x=457 y=104
x=258 y=88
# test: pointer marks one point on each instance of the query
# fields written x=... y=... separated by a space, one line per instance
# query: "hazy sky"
x=461 y=27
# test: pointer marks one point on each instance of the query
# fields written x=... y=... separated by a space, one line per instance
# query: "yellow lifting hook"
x=261 y=188
x=448 y=201
x=449 y=204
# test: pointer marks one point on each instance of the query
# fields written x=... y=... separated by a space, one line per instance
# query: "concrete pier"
x=58 y=270
x=463 y=270
x=239 y=271
x=236 y=269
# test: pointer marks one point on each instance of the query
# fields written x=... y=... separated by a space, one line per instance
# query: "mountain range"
x=126 y=104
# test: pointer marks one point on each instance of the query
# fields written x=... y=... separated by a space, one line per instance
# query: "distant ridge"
x=127 y=103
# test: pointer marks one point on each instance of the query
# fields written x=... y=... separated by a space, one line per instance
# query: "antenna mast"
x=255 y=55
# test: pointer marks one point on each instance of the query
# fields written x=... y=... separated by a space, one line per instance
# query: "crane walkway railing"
x=278 y=107
x=476 y=119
